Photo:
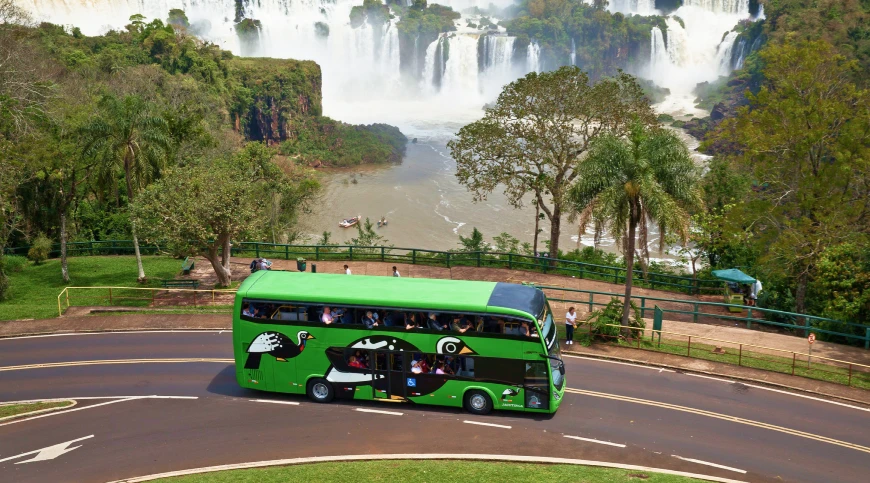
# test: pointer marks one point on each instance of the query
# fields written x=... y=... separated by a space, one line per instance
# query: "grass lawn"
x=7 y=410
x=428 y=471
x=33 y=291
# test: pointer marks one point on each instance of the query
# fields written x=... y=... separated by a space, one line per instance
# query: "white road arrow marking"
x=48 y=453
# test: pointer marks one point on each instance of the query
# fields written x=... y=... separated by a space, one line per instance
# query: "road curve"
x=655 y=414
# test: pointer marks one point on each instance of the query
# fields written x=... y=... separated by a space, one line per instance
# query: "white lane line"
x=487 y=424
x=383 y=457
x=87 y=398
x=377 y=411
x=640 y=366
x=57 y=413
x=596 y=441
x=291 y=403
x=714 y=465
x=732 y=381
x=203 y=331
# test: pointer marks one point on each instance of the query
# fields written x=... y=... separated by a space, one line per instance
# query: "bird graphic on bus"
x=277 y=345
x=343 y=375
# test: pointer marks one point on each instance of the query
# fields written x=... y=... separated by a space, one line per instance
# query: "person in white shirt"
x=396 y=272
x=346 y=270
x=753 y=292
x=570 y=324
x=327 y=316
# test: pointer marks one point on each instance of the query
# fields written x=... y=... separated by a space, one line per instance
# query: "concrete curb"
x=38 y=411
x=97 y=331
x=717 y=374
x=366 y=457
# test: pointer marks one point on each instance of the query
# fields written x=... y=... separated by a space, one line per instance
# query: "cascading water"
x=533 y=57
x=364 y=79
x=573 y=52
x=636 y=7
x=699 y=48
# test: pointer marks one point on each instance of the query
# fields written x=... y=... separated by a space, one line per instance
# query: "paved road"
x=771 y=435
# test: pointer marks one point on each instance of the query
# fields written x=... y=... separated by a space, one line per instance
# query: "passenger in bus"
x=369 y=321
x=375 y=316
x=415 y=367
x=246 y=310
x=326 y=318
x=411 y=321
x=439 y=368
x=424 y=365
x=434 y=323
x=363 y=358
x=524 y=329
x=354 y=362
x=463 y=324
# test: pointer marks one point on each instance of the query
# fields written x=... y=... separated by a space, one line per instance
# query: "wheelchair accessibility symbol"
x=412 y=382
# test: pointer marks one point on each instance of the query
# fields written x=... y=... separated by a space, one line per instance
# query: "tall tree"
x=626 y=183
x=203 y=207
x=129 y=137
x=532 y=140
x=805 y=137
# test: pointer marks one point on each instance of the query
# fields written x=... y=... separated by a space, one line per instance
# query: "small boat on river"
x=349 y=222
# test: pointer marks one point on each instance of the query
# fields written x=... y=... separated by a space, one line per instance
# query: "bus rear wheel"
x=478 y=402
x=320 y=390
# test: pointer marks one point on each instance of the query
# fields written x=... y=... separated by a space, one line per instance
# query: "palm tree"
x=625 y=183
x=128 y=137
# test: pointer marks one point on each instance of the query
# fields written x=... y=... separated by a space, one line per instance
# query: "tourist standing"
x=570 y=325
x=346 y=270
x=396 y=272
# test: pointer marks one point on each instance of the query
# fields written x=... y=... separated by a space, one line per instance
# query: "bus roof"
x=411 y=293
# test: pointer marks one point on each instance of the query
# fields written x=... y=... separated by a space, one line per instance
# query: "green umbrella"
x=733 y=275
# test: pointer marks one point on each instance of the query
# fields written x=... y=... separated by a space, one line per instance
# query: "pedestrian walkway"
x=720 y=369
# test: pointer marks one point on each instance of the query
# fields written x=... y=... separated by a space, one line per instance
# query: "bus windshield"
x=551 y=339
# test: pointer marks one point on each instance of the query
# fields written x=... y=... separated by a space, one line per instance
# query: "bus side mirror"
x=562 y=368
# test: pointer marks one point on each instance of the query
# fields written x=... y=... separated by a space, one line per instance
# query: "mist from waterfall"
x=699 y=48
x=364 y=80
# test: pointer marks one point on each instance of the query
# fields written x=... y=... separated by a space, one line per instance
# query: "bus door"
x=388 y=377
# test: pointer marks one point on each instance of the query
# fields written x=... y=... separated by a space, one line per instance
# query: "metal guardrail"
x=115 y=295
x=749 y=355
x=696 y=312
x=419 y=256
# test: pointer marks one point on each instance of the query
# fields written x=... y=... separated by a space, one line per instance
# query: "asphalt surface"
x=772 y=436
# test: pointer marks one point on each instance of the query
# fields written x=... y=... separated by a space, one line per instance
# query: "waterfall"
x=659 y=60
x=737 y=7
x=574 y=52
x=723 y=53
x=460 y=79
x=739 y=55
x=635 y=7
x=533 y=57
x=433 y=66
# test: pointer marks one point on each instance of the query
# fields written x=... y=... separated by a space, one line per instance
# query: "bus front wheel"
x=320 y=390
x=478 y=402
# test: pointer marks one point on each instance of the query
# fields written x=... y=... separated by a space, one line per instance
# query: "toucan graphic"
x=340 y=372
x=509 y=393
x=276 y=344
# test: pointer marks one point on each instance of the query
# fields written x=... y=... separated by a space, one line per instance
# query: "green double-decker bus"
x=478 y=345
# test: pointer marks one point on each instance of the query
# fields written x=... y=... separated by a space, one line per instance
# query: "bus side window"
x=357 y=359
x=464 y=366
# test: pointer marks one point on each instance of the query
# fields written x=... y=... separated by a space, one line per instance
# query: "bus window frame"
x=358 y=326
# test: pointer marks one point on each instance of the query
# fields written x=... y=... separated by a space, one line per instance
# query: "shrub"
x=13 y=263
x=40 y=249
x=604 y=323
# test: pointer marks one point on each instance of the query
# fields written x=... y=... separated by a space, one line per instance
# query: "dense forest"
x=87 y=124
x=788 y=190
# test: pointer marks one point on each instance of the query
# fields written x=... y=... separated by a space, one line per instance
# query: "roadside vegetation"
x=34 y=288
x=404 y=470
x=10 y=410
